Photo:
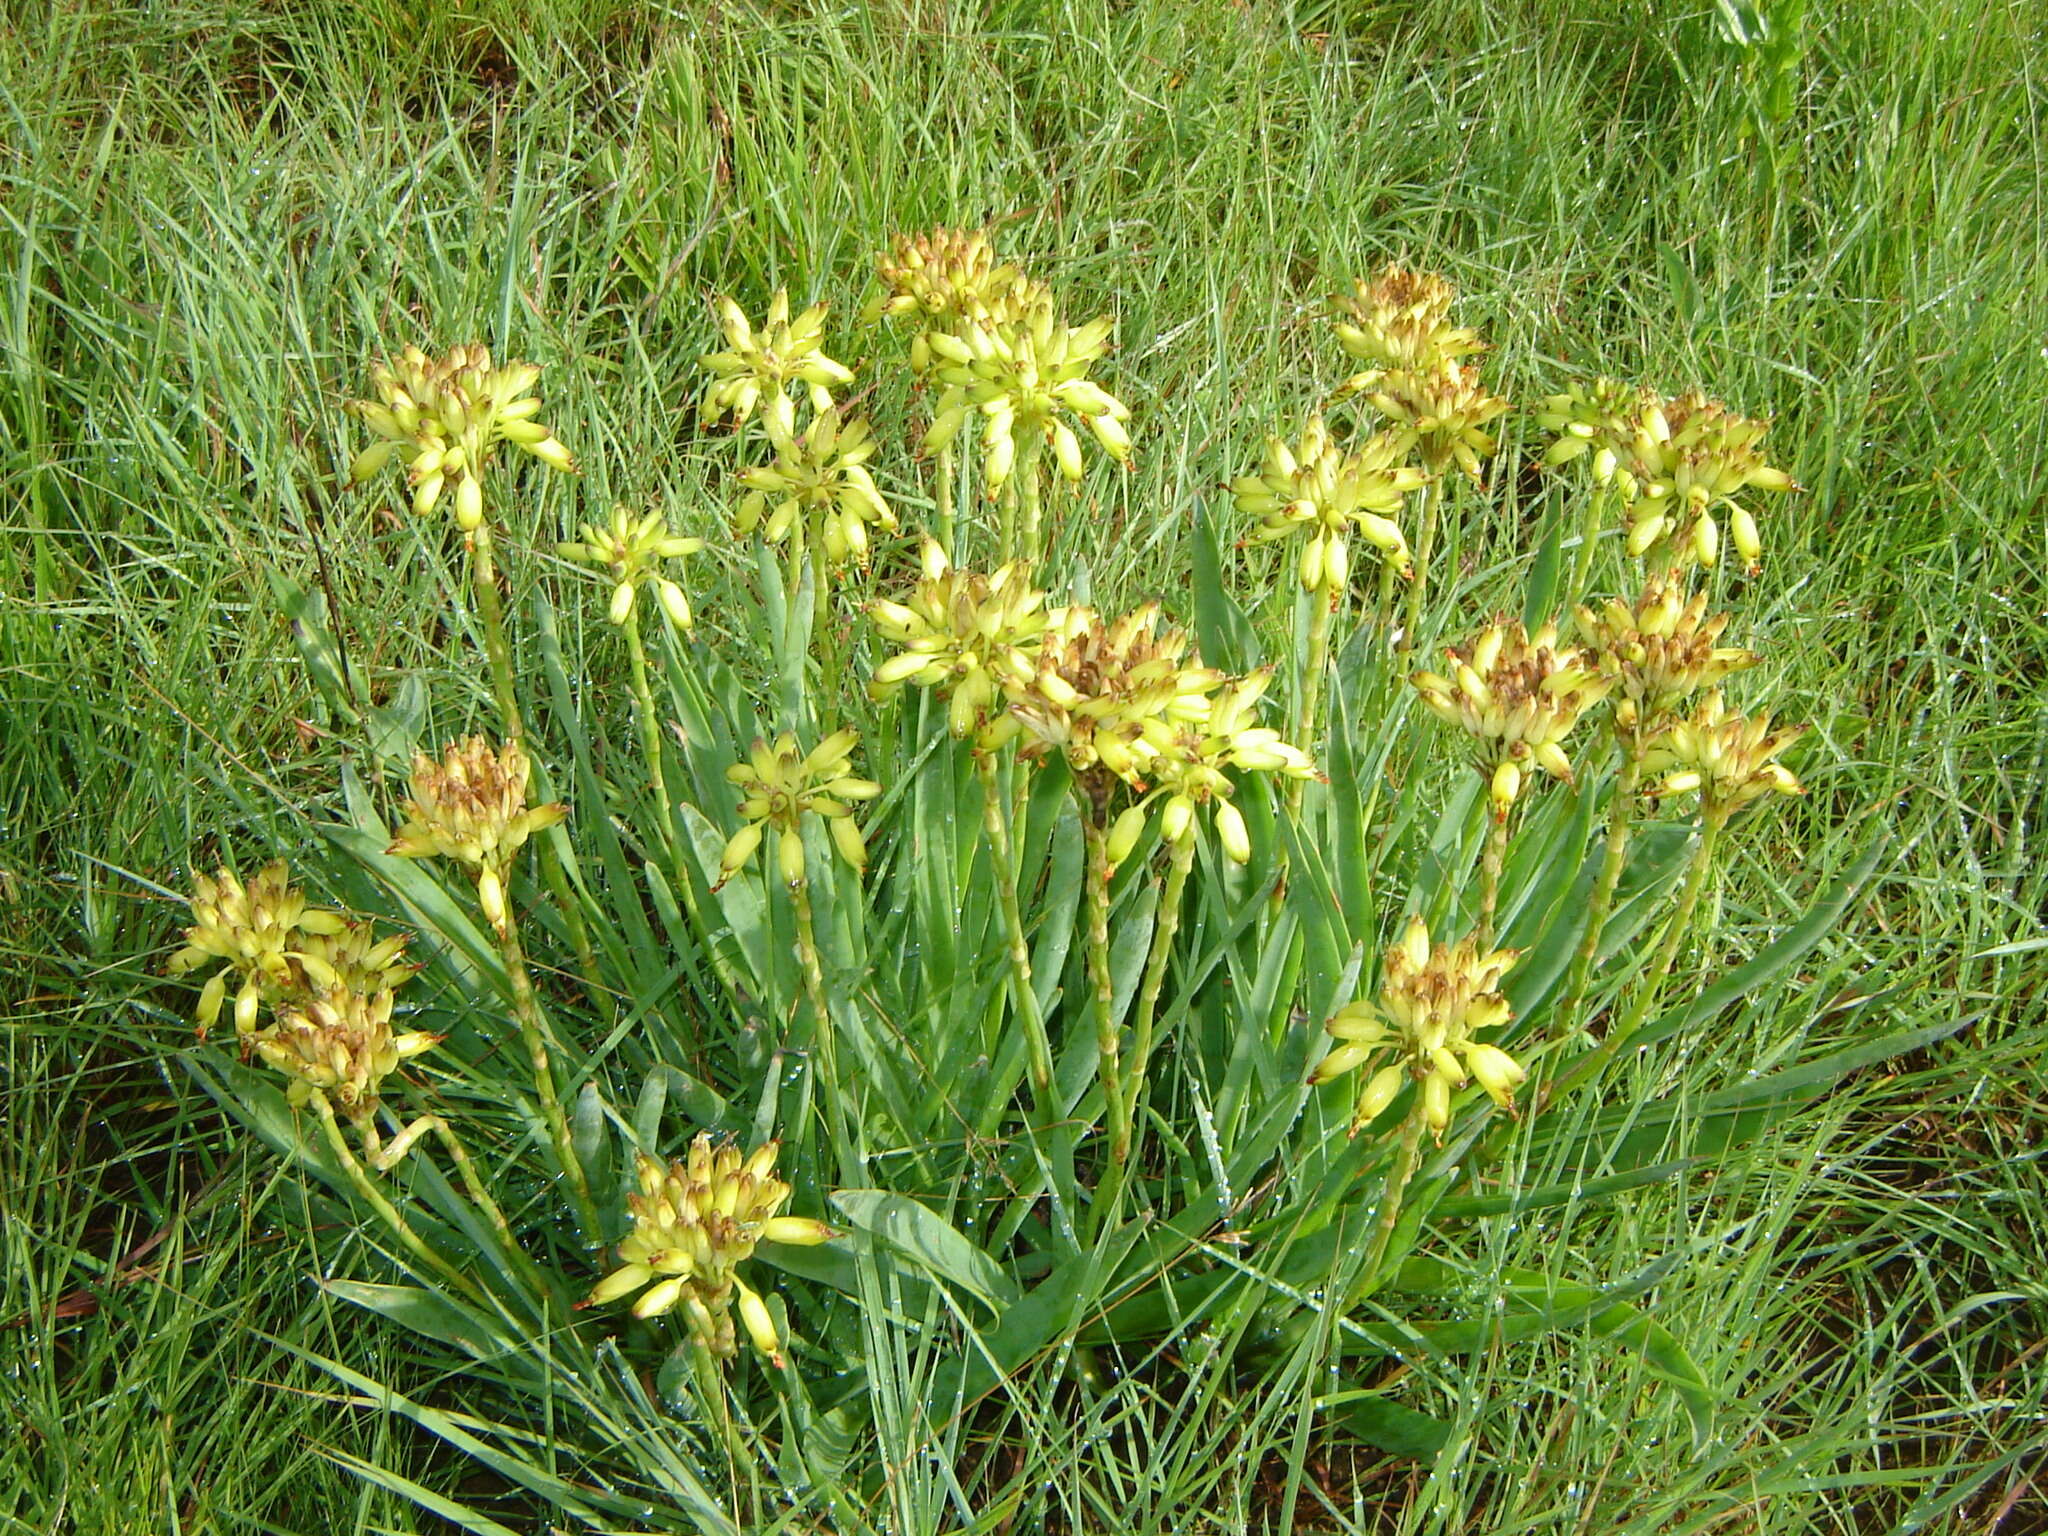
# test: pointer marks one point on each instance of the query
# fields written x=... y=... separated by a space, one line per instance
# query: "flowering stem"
x=1024 y=996
x=1620 y=817
x=826 y=638
x=1107 y=1064
x=1391 y=1195
x=484 y=582
x=946 y=487
x=650 y=736
x=824 y=1035
x=1307 y=730
x=1008 y=512
x=374 y=1198
x=1491 y=857
x=533 y=1030
x=1712 y=819
x=387 y=1157
x=1168 y=925
x=1028 y=458
x=1425 y=544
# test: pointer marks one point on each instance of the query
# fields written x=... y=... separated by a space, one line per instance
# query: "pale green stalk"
x=1425 y=546
x=484 y=583
x=1391 y=1196
x=1108 y=1065
x=808 y=551
x=1491 y=857
x=1008 y=514
x=1029 y=459
x=1307 y=728
x=1620 y=818
x=533 y=1031
x=386 y=1156
x=946 y=487
x=386 y=1211
x=1163 y=933
x=830 y=1084
x=650 y=734
x=1024 y=995
x=1712 y=819
x=1122 y=1157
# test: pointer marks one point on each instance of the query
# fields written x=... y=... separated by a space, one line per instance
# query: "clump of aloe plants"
x=1012 y=931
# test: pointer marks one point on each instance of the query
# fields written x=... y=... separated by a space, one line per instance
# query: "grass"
x=212 y=215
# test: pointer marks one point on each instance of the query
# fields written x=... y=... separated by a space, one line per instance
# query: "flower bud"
x=469 y=503
x=1231 y=833
x=789 y=851
x=1507 y=784
x=1123 y=835
x=1377 y=1094
x=760 y=1325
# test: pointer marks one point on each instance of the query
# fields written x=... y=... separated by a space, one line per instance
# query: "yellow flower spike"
x=1191 y=762
x=631 y=550
x=443 y=419
x=821 y=475
x=766 y=364
x=471 y=807
x=1443 y=411
x=946 y=278
x=1659 y=652
x=1400 y=320
x=1518 y=696
x=277 y=947
x=779 y=785
x=1023 y=374
x=339 y=1044
x=1676 y=462
x=1328 y=493
x=695 y=1221
x=1730 y=759
x=1432 y=999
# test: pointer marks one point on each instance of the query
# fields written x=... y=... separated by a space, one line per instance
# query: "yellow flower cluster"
x=340 y=1044
x=471 y=807
x=1730 y=759
x=1675 y=462
x=1107 y=695
x=1518 y=696
x=1190 y=768
x=1433 y=999
x=1444 y=412
x=963 y=632
x=758 y=367
x=944 y=278
x=1658 y=653
x=1400 y=321
x=631 y=550
x=1122 y=701
x=442 y=417
x=1332 y=494
x=278 y=946
x=819 y=486
x=781 y=785
x=327 y=982
x=694 y=1223
x=1400 y=325
x=1021 y=377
